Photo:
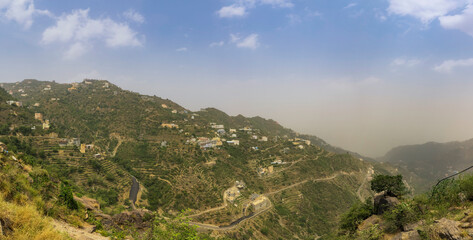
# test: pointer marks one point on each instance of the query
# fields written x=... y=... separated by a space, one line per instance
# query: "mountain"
x=100 y=138
x=432 y=161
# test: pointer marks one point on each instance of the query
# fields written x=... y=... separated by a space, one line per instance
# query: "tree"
x=66 y=197
x=393 y=185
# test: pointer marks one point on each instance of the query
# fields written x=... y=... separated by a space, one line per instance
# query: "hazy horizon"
x=364 y=76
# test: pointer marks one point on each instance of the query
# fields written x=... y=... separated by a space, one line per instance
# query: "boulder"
x=383 y=202
x=411 y=226
x=447 y=229
x=367 y=223
x=137 y=218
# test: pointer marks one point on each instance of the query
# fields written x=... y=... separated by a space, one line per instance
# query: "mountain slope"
x=432 y=161
x=192 y=160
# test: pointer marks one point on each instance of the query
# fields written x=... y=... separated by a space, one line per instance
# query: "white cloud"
x=81 y=31
x=462 y=21
x=217 y=44
x=20 y=11
x=278 y=3
x=449 y=65
x=182 y=49
x=310 y=13
x=350 y=5
x=76 y=50
x=240 y=7
x=403 y=62
x=232 y=11
x=294 y=19
x=424 y=10
x=251 y=41
x=134 y=16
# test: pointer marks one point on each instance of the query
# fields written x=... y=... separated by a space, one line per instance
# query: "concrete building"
x=169 y=125
x=38 y=116
x=234 y=142
x=46 y=124
x=260 y=203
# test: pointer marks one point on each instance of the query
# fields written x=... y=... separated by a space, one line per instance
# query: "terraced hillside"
x=289 y=186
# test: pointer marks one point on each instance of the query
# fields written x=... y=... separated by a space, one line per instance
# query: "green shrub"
x=400 y=215
x=357 y=214
x=372 y=233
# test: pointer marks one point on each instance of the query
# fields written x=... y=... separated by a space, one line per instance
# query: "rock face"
x=136 y=218
x=367 y=223
x=448 y=229
x=383 y=202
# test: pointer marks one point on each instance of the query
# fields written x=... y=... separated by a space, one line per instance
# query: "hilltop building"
x=169 y=125
x=38 y=116
x=46 y=125
x=260 y=203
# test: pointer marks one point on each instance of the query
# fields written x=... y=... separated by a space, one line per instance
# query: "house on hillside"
x=260 y=203
x=218 y=126
x=232 y=130
x=38 y=116
x=174 y=111
x=264 y=139
x=164 y=106
x=234 y=142
x=74 y=142
x=46 y=125
x=169 y=125
x=63 y=143
x=15 y=103
x=221 y=132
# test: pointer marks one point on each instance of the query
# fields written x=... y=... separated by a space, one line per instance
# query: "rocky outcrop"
x=140 y=219
x=448 y=229
x=383 y=202
x=367 y=223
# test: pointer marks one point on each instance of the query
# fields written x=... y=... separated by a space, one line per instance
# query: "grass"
x=27 y=223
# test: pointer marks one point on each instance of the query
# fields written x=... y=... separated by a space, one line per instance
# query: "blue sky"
x=364 y=75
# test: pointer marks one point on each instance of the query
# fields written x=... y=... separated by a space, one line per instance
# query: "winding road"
x=135 y=187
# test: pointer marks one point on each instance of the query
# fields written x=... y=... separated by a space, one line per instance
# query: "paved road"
x=135 y=187
x=232 y=225
x=369 y=175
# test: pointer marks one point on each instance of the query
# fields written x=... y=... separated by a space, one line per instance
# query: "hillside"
x=98 y=137
x=432 y=161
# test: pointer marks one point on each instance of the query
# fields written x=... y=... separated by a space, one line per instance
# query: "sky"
x=366 y=76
